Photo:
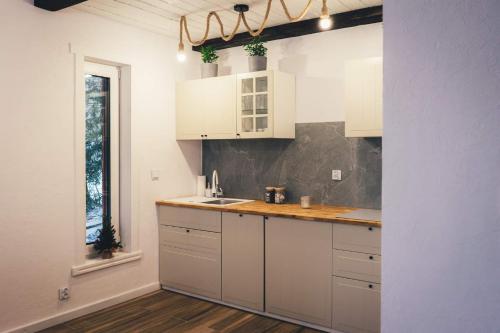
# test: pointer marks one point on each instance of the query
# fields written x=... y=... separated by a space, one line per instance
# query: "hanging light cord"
x=241 y=17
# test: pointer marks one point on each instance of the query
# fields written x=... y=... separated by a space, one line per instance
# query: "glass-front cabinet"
x=255 y=108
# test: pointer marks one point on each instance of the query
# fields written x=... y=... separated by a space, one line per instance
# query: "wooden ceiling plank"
x=185 y=7
x=135 y=16
x=126 y=8
x=93 y=9
x=151 y=8
x=159 y=12
x=148 y=8
x=370 y=3
x=200 y=6
x=340 y=7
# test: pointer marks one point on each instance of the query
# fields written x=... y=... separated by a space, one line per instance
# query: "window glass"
x=97 y=153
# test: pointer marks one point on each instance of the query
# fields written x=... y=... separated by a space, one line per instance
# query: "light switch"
x=155 y=174
x=337 y=174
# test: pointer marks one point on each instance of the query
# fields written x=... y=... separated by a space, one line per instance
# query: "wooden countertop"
x=316 y=213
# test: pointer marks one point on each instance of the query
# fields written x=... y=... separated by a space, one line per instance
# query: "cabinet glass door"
x=254 y=105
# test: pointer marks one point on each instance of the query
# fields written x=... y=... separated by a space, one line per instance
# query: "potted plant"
x=105 y=243
x=209 y=68
x=256 y=50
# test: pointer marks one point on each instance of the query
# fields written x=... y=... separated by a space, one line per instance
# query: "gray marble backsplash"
x=304 y=166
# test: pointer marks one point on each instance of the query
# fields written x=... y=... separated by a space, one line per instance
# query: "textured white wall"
x=317 y=60
x=36 y=155
x=441 y=180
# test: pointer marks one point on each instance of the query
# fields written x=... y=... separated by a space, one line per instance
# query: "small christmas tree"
x=105 y=242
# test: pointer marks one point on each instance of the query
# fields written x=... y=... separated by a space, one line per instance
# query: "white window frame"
x=129 y=167
x=113 y=73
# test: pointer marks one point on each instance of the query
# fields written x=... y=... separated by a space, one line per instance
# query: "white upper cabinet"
x=206 y=108
x=363 y=98
x=250 y=105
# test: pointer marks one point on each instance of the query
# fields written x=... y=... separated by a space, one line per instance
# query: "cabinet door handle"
x=187 y=230
x=370 y=228
x=370 y=286
x=266 y=218
x=371 y=257
x=201 y=135
x=241 y=215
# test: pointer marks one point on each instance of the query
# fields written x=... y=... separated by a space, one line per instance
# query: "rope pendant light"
x=325 y=23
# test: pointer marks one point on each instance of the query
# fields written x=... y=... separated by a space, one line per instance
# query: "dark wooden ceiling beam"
x=306 y=27
x=55 y=5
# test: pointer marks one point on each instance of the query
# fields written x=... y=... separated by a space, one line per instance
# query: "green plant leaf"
x=106 y=237
x=208 y=54
x=256 y=47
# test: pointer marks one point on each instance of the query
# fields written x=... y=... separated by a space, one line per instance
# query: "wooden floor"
x=165 y=311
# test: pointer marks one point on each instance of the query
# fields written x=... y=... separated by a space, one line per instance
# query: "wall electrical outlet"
x=64 y=294
x=337 y=174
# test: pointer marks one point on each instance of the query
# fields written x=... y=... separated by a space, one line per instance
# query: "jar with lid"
x=269 y=195
x=279 y=196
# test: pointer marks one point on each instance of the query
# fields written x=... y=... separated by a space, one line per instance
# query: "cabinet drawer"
x=354 y=265
x=356 y=238
x=190 y=218
x=355 y=306
x=190 y=260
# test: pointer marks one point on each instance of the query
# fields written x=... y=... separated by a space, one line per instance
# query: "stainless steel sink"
x=221 y=202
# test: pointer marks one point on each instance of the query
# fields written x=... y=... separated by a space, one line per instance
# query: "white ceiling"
x=163 y=15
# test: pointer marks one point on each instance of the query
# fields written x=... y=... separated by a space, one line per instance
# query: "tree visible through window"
x=97 y=153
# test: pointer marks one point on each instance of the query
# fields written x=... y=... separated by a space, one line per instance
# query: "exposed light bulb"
x=325 y=23
x=181 y=55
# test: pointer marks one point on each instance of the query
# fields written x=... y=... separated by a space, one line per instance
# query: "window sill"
x=92 y=265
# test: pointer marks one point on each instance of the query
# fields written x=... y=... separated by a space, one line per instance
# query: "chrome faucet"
x=216 y=189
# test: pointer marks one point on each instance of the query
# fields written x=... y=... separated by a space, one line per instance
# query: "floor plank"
x=168 y=312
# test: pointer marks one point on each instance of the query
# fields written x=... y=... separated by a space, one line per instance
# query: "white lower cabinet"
x=299 y=270
x=356 y=306
x=356 y=280
x=190 y=260
x=326 y=274
x=243 y=260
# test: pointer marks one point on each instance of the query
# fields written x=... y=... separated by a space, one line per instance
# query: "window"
x=102 y=160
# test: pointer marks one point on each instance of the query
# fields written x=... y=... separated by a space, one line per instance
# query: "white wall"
x=36 y=152
x=441 y=180
x=317 y=60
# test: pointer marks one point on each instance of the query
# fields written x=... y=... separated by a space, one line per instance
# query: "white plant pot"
x=209 y=70
x=257 y=63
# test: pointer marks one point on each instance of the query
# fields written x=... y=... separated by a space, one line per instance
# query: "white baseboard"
x=85 y=309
